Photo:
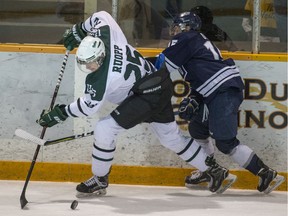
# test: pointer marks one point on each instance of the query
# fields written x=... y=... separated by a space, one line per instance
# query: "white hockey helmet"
x=90 y=54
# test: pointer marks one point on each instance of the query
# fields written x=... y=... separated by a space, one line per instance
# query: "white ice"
x=54 y=199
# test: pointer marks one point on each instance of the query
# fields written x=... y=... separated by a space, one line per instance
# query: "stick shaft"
x=23 y=200
x=30 y=137
x=68 y=138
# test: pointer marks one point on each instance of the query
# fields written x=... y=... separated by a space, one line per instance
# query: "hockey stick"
x=27 y=136
x=23 y=200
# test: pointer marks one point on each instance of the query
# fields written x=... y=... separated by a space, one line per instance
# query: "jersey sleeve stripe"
x=84 y=27
x=79 y=107
x=216 y=75
x=171 y=64
x=75 y=110
x=217 y=79
x=70 y=112
x=220 y=83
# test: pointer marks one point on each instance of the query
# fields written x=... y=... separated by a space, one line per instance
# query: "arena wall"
x=28 y=77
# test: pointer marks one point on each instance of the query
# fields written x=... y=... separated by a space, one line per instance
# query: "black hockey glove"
x=73 y=37
x=189 y=107
x=53 y=117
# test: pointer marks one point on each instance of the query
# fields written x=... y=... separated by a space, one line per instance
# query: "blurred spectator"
x=173 y=7
x=139 y=21
x=211 y=30
x=135 y=21
x=268 y=31
x=162 y=14
x=146 y=22
x=131 y=19
x=281 y=18
x=72 y=12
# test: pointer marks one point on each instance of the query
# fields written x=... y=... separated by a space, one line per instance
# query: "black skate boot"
x=197 y=177
x=269 y=180
x=217 y=175
x=95 y=186
x=197 y=180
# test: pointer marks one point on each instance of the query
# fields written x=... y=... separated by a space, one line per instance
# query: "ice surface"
x=54 y=199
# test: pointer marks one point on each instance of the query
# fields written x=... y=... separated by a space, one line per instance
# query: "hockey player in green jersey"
x=119 y=74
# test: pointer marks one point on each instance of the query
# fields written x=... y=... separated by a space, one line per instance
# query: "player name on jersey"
x=118 y=59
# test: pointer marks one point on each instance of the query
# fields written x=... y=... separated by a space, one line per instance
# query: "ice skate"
x=269 y=180
x=198 y=180
x=95 y=186
x=220 y=179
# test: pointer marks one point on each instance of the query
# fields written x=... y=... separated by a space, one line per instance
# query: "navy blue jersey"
x=200 y=63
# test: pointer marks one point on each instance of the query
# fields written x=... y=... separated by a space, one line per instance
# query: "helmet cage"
x=186 y=21
x=99 y=60
x=91 y=64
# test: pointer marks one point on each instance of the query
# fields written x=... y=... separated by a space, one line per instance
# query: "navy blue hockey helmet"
x=184 y=22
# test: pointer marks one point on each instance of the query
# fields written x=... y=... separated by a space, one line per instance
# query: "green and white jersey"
x=122 y=66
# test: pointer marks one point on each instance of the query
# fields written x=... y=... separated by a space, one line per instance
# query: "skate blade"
x=227 y=183
x=98 y=193
x=276 y=182
x=200 y=186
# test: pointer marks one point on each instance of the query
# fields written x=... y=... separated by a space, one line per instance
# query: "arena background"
x=29 y=80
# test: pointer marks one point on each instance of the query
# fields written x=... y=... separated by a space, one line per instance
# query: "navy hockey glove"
x=53 y=117
x=188 y=108
x=73 y=37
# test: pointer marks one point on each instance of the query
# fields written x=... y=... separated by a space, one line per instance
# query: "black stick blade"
x=23 y=201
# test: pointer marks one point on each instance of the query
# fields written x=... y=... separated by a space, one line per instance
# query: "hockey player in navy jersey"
x=117 y=73
x=216 y=94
